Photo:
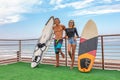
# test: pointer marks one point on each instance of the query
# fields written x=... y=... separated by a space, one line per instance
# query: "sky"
x=25 y=19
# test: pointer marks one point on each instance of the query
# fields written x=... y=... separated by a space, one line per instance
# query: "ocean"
x=8 y=48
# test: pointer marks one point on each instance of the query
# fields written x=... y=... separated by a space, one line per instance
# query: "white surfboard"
x=43 y=42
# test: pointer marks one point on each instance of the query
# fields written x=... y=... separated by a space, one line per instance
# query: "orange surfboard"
x=87 y=47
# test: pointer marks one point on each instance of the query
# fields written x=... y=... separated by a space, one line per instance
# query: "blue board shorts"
x=57 y=45
x=72 y=41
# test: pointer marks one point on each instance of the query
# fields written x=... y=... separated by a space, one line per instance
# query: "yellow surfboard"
x=87 y=47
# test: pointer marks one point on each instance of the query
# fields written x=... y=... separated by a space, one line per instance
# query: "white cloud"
x=79 y=4
x=53 y=2
x=75 y=5
x=10 y=19
x=98 y=10
x=109 y=1
x=12 y=10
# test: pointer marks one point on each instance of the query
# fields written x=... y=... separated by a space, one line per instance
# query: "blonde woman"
x=71 y=35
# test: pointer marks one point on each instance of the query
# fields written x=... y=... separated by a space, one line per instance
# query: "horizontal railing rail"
x=108 y=51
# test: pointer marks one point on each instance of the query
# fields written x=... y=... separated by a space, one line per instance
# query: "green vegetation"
x=23 y=71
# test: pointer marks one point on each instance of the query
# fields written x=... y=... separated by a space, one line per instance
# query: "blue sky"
x=22 y=19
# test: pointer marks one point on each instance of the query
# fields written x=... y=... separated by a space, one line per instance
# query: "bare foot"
x=56 y=65
x=71 y=67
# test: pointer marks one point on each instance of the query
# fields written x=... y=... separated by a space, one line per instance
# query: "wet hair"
x=57 y=19
x=73 y=23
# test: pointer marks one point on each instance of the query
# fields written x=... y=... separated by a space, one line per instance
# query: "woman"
x=70 y=34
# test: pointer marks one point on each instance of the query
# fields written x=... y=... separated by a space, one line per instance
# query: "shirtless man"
x=58 y=31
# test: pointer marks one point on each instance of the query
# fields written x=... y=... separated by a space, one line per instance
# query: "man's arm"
x=63 y=27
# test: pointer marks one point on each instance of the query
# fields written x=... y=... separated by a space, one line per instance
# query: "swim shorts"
x=57 y=45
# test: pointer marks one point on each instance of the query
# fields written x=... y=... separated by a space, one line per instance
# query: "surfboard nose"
x=33 y=64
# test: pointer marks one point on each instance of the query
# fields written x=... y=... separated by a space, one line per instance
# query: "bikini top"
x=70 y=32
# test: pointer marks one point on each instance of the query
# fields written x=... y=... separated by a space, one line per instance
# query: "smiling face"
x=57 y=21
x=71 y=24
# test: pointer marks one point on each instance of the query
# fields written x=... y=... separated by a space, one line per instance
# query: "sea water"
x=9 y=48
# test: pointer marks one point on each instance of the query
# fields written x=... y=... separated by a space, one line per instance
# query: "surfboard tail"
x=85 y=62
x=33 y=64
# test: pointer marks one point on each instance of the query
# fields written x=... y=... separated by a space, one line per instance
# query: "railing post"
x=102 y=48
x=66 y=51
x=19 y=52
x=18 y=56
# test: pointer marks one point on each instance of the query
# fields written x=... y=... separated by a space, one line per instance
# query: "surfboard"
x=87 y=47
x=43 y=42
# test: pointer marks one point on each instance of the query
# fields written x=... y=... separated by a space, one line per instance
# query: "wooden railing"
x=108 y=52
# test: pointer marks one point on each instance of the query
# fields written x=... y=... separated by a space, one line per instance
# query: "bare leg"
x=73 y=55
x=69 y=51
x=63 y=56
x=57 y=60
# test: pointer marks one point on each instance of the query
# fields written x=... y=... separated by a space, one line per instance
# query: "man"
x=58 y=31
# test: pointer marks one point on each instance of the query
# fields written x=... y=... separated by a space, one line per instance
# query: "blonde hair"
x=73 y=23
